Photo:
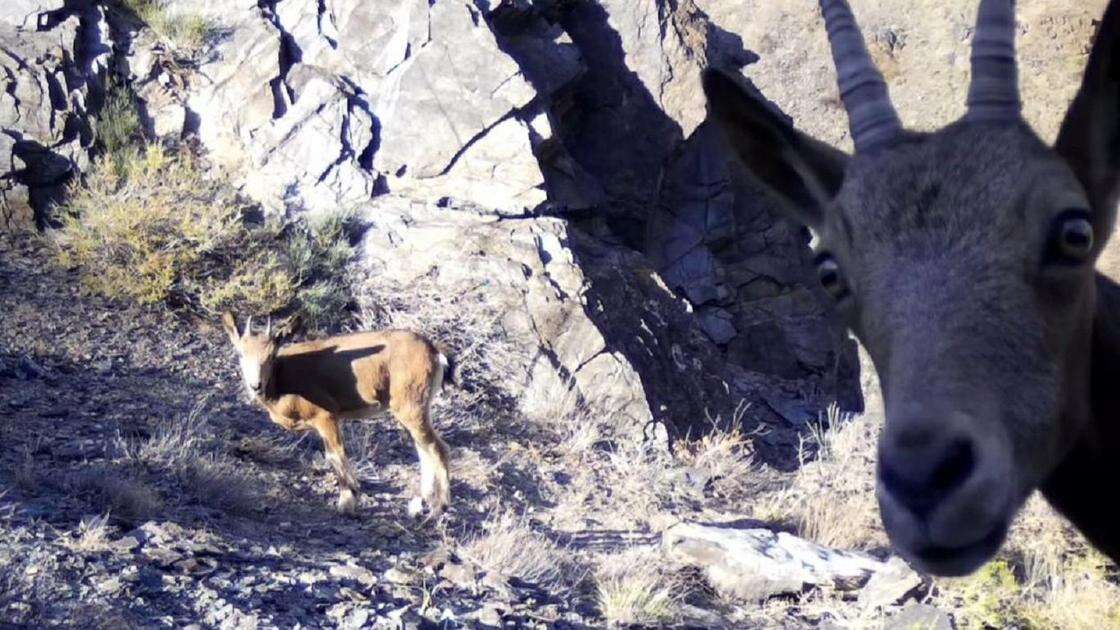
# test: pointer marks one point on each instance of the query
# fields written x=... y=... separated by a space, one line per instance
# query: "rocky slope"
x=136 y=415
x=479 y=119
x=140 y=490
x=561 y=137
x=540 y=169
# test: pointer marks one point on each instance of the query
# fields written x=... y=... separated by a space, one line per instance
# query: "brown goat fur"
x=314 y=385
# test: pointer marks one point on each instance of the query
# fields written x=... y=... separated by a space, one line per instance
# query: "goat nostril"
x=955 y=468
x=907 y=491
x=922 y=480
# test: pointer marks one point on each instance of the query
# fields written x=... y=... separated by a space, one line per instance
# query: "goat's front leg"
x=327 y=427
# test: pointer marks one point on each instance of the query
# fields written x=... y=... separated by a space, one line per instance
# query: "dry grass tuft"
x=7 y=508
x=186 y=32
x=635 y=587
x=272 y=449
x=26 y=476
x=472 y=468
x=147 y=225
x=648 y=481
x=176 y=444
x=512 y=548
x=578 y=435
x=723 y=460
x=1086 y=598
x=831 y=499
x=1045 y=545
x=124 y=497
x=184 y=447
x=219 y=483
x=1047 y=576
x=92 y=535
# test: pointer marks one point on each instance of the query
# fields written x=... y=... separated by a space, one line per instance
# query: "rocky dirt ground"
x=140 y=489
x=244 y=535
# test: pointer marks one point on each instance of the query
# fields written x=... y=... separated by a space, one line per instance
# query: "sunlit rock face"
x=556 y=151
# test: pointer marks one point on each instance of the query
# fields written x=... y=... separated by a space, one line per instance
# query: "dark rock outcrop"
x=53 y=61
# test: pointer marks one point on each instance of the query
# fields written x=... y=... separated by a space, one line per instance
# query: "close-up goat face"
x=973 y=291
x=963 y=261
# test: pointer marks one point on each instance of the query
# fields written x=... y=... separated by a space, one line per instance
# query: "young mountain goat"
x=315 y=384
x=964 y=262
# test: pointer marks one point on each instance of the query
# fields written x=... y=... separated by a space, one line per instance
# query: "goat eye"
x=830 y=276
x=1072 y=237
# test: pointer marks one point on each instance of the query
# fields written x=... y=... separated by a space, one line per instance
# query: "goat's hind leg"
x=328 y=429
x=435 y=483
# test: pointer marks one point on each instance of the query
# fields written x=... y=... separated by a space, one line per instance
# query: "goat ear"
x=229 y=324
x=801 y=171
x=1090 y=136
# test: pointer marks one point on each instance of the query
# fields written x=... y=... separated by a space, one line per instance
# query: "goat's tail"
x=449 y=364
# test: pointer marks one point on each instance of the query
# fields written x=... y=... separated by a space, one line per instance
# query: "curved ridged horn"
x=268 y=327
x=871 y=115
x=248 y=327
x=994 y=91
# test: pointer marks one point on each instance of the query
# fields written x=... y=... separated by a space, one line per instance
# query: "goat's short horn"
x=268 y=327
x=871 y=115
x=993 y=93
x=248 y=326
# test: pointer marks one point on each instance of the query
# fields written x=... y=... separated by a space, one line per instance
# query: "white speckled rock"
x=758 y=563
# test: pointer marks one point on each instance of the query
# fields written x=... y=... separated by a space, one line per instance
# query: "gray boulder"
x=919 y=617
x=890 y=586
x=756 y=564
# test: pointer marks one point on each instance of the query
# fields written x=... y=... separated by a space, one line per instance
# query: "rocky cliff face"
x=53 y=62
x=554 y=151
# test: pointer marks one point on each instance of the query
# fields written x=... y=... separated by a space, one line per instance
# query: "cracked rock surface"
x=53 y=59
x=517 y=108
x=502 y=120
